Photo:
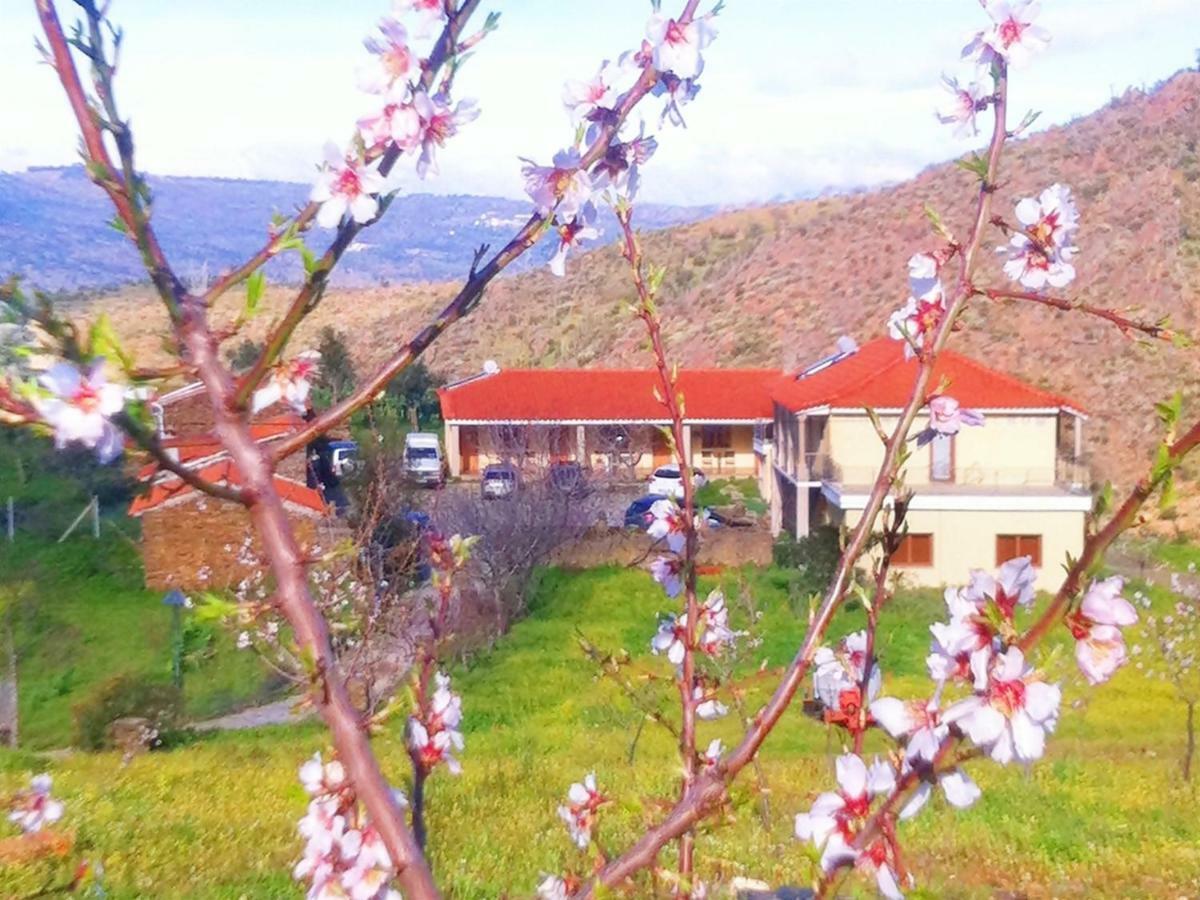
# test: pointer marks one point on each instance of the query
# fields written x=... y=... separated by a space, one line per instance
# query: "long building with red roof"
x=1016 y=486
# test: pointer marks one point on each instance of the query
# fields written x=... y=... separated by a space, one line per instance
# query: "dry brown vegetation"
x=775 y=285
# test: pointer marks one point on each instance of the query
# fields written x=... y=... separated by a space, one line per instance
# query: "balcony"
x=1069 y=475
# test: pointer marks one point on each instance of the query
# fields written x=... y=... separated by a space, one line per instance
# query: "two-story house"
x=1015 y=486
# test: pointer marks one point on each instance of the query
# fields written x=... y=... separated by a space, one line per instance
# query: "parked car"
x=568 y=477
x=343 y=457
x=666 y=481
x=423 y=462
x=498 y=482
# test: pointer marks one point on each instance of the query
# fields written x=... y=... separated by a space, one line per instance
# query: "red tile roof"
x=531 y=395
x=223 y=472
x=192 y=447
x=877 y=375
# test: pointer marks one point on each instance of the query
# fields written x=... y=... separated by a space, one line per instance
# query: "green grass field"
x=1103 y=816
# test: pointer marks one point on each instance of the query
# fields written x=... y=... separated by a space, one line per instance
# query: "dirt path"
x=280 y=712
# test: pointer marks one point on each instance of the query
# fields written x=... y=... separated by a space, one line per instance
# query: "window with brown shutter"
x=914 y=550
x=1010 y=546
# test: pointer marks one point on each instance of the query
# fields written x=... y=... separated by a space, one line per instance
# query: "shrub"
x=815 y=556
x=122 y=696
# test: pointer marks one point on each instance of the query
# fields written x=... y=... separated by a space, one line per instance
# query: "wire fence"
x=50 y=520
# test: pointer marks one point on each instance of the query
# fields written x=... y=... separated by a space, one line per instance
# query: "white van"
x=423 y=462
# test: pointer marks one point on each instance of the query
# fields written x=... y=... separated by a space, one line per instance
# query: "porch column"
x=453 y=451
x=1078 y=438
x=776 y=500
x=801 y=510
x=581 y=445
x=687 y=445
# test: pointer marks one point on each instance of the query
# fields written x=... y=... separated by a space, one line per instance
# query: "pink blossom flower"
x=962 y=108
x=1010 y=717
x=573 y=234
x=1012 y=37
x=583 y=800
x=346 y=184
x=835 y=819
x=668 y=571
x=322 y=778
x=430 y=14
x=434 y=739
x=1041 y=253
x=392 y=61
x=1013 y=585
x=708 y=707
x=80 y=408
x=1096 y=627
x=552 y=887
x=917 y=319
x=679 y=93
x=946 y=417
x=838 y=675
x=439 y=123
x=666 y=521
x=712 y=634
x=960 y=791
x=289 y=381
x=34 y=808
x=620 y=167
x=563 y=188
x=370 y=868
x=397 y=123
x=676 y=47
x=583 y=98
x=917 y=723
x=712 y=755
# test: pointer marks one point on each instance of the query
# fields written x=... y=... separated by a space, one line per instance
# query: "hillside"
x=776 y=285
x=53 y=231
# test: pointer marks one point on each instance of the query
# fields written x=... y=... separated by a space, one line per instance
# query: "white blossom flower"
x=960 y=791
x=666 y=521
x=1012 y=37
x=322 y=778
x=552 y=887
x=668 y=571
x=1011 y=716
x=677 y=47
x=620 y=167
x=573 y=234
x=917 y=723
x=289 y=381
x=392 y=61
x=34 y=808
x=708 y=707
x=80 y=408
x=398 y=122
x=583 y=98
x=563 y=188
x=1096 y=627
x=924 y=272
x=838 y=675
x=712 y=755
x=430 y=14
x=947 y=417
x=917 y=319
x=1040 y=254
x=439 y=123
x=346 y=184
x=436 y=738
x=963 y=107
x=579 y=813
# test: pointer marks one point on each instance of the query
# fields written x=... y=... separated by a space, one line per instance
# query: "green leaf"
x=1169 y=496
x=103 y=341
x=212 y=607
x=309 y=258
x=939 y=227
x=256 y=285
x=975 y=164
x=1169 y=411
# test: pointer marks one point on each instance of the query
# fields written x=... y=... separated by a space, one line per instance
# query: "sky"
x=799 y=96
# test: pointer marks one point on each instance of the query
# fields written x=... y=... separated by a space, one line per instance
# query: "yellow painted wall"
x=1007 y=450
x=965 y=540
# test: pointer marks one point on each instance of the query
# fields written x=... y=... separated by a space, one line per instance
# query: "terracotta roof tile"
x=530 y=395
x=224 y=472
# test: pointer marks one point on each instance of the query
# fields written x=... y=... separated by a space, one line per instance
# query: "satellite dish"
x=846 y=344
x=491 y=367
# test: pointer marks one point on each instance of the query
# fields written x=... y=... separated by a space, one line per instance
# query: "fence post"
x=95 y=517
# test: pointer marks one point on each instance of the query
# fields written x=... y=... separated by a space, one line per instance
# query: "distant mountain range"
x=54 y=232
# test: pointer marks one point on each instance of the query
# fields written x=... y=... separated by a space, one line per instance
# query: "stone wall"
x=623 y=547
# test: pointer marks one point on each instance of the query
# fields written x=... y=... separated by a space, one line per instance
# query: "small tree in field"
x=337 y=377
x=1170 y=651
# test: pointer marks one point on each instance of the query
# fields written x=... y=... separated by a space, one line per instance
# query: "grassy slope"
x=1103 y=817
x=85 y=617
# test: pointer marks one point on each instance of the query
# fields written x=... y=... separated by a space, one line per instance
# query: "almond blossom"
x=436 y=737
x=392 y=61
x=957 y=786
x=712 y=633
x=965 y=104
x=677 y=46
x=1010 y=716
x=1013 y=37
x=838 y=677
x=397 y=123
x=573 y=234
x=924 y=273
x=668 y=571
x=346 y=184
x=430 y=14
x=80 y=408
x=1040 y=254
x=319 y=778
x=439 y=123
x=1096 y=627
x=552 y=887
x=712 y=755
x=947 y=417
x=582 y=99
x=679 y=93
x=666 y=521
x=563 y=188
x=620 y=167
x=833 y=823
x=918 y=723
x=34 y=808
x=917 y=319
x=708 y=707
x=289 y=381
x=583 y=800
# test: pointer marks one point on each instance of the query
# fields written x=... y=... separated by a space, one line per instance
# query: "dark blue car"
x=638 y=514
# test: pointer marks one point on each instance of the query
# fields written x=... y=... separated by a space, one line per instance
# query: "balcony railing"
x=1066 y=473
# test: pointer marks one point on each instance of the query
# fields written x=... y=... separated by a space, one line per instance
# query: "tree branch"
x=1124 y=324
